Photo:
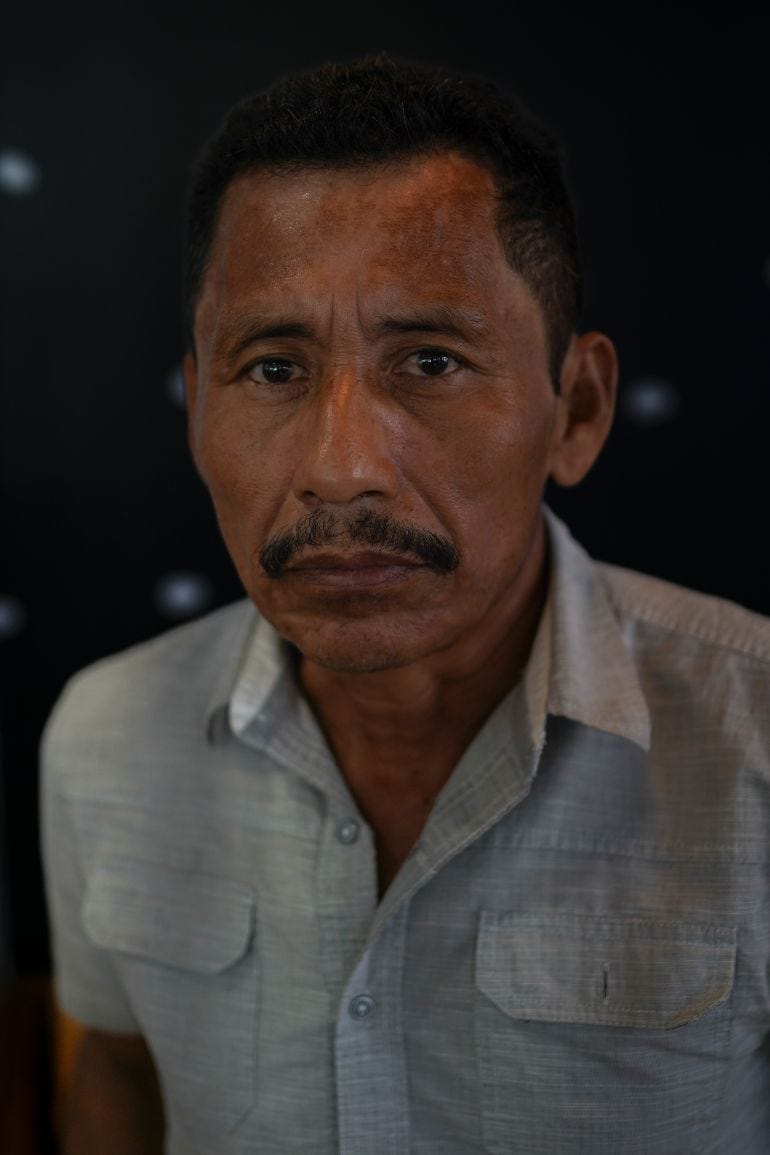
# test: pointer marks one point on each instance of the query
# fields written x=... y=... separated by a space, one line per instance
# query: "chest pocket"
x=184 y=946
x=601 y=1035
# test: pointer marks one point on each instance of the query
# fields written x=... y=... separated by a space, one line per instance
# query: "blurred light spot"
x=649 y=401
x=175 y=390
x=13 y=617
x=19 y=175
x=182 y=595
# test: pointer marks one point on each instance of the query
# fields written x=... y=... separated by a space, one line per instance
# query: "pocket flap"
x=193 y=921
x=576 y=968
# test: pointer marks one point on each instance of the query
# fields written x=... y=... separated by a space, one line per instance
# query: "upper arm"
x=87 y=984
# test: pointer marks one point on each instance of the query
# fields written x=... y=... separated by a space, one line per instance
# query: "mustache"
x=322 y=528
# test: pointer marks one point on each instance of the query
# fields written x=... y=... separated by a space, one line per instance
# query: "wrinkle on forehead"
x=372 y=241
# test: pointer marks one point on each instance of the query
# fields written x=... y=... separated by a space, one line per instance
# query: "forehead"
x=423 y=230
x=438 y=189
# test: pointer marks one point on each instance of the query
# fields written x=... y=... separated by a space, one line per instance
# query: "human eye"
x=430 y=362
x=273 y=371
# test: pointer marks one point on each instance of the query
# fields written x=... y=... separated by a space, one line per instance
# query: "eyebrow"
x=270 y=331
x=457 y=322
x=446 y=319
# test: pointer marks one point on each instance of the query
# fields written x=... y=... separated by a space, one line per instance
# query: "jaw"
x=369 y=631
x=445 y=627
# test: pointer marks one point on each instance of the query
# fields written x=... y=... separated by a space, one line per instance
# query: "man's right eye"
x=271 y=371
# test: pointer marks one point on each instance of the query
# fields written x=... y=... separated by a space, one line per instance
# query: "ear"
x=585 y=406
x=190 y=370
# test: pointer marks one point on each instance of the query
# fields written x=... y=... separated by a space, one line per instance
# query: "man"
x=457 y=842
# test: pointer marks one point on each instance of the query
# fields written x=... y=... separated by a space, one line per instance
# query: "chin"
x=352 y=665
x=355 y=649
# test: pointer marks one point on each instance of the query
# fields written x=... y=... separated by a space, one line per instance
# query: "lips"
x=347 y=573
x=355 y=561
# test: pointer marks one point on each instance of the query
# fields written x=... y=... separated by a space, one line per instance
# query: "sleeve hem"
x=95 y=1015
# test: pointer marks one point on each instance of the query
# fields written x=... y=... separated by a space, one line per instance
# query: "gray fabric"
x=574 y=958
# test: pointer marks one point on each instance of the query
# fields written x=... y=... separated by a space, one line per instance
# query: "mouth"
x=349 y=571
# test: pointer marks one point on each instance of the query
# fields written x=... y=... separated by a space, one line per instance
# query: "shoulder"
x=703 y=664
x=695 y=621
x=157 y=683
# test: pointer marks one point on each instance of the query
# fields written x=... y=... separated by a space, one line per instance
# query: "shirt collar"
x=266 y=664
x=592 y=677
x=580 y=666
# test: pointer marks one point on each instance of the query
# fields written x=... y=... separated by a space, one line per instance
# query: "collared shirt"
x=574 y=957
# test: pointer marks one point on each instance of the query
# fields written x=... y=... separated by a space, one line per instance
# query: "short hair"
x=380 y=109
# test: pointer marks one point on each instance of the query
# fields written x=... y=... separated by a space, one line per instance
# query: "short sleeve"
x=87 y=985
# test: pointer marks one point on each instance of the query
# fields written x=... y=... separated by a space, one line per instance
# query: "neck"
x=398 y=734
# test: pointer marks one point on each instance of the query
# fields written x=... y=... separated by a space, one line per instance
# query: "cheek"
x=499 y=451
x=242 y=471
x=496 y=474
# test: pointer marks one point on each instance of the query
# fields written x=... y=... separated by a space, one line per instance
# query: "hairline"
x=397 y=159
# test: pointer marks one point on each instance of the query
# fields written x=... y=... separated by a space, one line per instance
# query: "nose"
x=346 y=444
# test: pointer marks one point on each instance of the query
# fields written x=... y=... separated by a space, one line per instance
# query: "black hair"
x=379 y=109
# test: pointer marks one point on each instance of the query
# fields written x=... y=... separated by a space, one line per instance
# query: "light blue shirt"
x=573 y=959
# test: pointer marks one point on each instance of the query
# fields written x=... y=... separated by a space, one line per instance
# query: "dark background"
x=664 y=113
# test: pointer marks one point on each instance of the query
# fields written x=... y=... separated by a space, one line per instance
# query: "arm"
x=113 y=1106
x=110 y=1103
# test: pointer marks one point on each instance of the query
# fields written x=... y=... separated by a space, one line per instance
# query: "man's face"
x=366 y=357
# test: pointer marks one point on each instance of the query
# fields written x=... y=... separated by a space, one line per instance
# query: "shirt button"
x=347 y=831
x=361 y=1007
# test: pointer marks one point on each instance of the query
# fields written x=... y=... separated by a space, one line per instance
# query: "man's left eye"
x=433 y=362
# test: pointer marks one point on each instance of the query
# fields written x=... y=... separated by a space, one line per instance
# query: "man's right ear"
x=192 y=394
x=190 y=371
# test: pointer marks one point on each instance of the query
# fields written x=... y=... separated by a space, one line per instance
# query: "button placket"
x=371 y=1079
x=361 y=1007
x=348 y=831
x=346 y=895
